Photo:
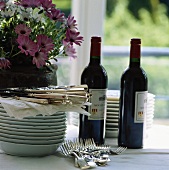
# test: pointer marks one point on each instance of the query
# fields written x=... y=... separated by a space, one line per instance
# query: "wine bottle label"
x=140 y=106
x=98 y=107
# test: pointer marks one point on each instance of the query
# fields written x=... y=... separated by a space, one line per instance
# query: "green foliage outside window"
x=120 y=27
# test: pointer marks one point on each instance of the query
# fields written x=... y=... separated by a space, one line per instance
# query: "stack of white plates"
x=113 y=113
x=32 y=136
x=150 y=111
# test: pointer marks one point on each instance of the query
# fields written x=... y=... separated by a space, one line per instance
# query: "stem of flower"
x=11 y=49
x=16 y=54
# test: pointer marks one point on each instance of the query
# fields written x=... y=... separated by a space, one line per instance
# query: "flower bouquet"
x=33 y=32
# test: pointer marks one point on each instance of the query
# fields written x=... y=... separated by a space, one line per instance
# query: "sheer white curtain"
x=90 y=18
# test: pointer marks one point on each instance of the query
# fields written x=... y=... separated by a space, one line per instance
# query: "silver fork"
x=67 y=150
x=108 y=149
x=89 y=143
x=117 y=151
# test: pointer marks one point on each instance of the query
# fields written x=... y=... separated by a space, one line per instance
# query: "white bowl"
x=28 y=150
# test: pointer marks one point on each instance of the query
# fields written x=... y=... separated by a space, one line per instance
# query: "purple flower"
x=73 y=37
x=44 y=43
x=47 y=4
x=30 y=3
x=71 y=23
x=22 y=29
x=56 y=15
x=34 y=3
x=23 y=3
x=4 y=63
x=2 y=5
x=26 y=45
x=39 y=59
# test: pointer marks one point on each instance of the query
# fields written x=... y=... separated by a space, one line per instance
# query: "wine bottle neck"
x=135 y=55
x=95 y=53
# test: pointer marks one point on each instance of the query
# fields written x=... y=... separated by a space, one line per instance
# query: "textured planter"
x=27 y=76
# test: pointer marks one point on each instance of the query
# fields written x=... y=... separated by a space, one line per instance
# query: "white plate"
x=112 y=129
x=112 y=120
x=33 y=142
x=53 y=116
x=30 y=138
x=150 y=109
x=112 y=116
x=28 y=150
x=37 y=117
x=113 y=105
x=149 y=122
x=41 y=131
x=113 y=102
x=111 y=134
x=40 y=134
x=112 y=109
x=150 y=103
x=29 y=123
x=112 y=113
x=44 y=120
x=149 y=117
x=59 y=125
x=112 y=124
x=3 y=111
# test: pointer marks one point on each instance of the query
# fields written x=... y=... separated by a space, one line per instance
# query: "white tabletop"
x=154 y=156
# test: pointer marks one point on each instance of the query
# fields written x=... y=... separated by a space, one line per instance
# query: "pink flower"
x=71 y=23
x=4 y=63
x=26 y=45
x=2 y=5
x=55 y=15
x=70 y=51
x=45 y=43
x=73 y=37
x=39 y=59
x=22 y=29
x=47 y=4
x=29 y=3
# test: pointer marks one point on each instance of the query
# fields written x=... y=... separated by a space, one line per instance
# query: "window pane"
x=64 y=5
x=148 y=20
x=63 y=63
x=157 y=78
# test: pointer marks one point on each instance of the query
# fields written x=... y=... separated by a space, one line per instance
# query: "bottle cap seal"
x=135 y=48
x=96 y=39
x=135 y=41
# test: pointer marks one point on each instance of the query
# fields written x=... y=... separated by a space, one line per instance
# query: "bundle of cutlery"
x=50 y=95
x=87 y=154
